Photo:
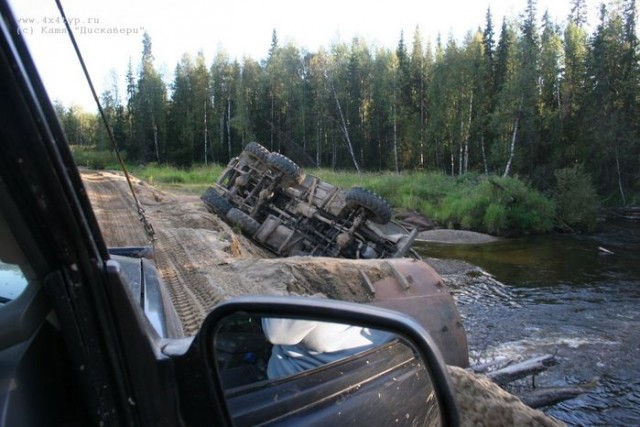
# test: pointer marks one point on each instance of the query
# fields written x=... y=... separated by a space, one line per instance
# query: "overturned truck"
x=272 y=200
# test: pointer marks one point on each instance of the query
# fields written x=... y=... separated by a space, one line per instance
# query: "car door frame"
x=117 y=357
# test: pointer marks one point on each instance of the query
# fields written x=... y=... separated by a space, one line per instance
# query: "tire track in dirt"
x=190 y=244
x=171 y=262
x=184 y=258
x=115 y=210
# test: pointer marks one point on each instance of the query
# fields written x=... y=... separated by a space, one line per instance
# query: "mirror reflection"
x=12 y=282
x=279 y=371
x=12 y=261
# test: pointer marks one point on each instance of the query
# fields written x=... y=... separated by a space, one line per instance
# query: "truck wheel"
x=379 y=209
x=292 y=173
x=257 y=151
x=247 y=224
x=215 y=203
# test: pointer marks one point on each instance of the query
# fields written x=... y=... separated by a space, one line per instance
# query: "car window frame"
x=61 y=237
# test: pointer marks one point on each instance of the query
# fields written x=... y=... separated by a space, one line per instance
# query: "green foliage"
x=89 y=157
x=495 y=218
x=171 y=175
x=499 y=206
x=147 y=110
x=192 y=180
x=576 y=199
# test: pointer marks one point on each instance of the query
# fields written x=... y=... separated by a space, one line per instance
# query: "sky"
x=240 y=27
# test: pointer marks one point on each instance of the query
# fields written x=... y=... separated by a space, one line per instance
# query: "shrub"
x=576 y=200
x=526 y=210
x=501 y=206
x=91 y=158
x=495 y=218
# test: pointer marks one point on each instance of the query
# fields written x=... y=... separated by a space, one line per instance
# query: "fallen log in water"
x=629 y=213
x=547 y=396
x=521 y=370
x=483 y=368
x=505 y=371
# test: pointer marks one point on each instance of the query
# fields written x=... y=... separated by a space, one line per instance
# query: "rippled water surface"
x=567 y=295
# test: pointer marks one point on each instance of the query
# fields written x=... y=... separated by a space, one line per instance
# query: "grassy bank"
x=193 y=181
x=494 y=205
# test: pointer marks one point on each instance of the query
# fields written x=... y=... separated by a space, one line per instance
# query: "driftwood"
x=522 y=370
x=505 y=371
x=605 y=251
x=547 y=396
x=492 y=365
x=630 y=213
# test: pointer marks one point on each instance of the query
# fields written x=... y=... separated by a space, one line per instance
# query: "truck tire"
x=292 y=173
x=215 y=203
x=257 y=151
x=238 y=218
x=378 y=208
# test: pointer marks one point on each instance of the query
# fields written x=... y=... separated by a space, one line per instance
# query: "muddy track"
x=184 y=258
x=170 y=261
x=115 y=210
x=193 y=250
x=203 y=262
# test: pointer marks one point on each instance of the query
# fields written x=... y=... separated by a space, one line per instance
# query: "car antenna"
x=143 y=218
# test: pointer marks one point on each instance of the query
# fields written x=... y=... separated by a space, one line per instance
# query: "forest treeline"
x=525 y=98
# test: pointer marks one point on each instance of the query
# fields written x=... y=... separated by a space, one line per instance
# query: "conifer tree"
x=148 y=104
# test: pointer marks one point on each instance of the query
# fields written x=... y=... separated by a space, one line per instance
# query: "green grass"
x=194 y=180
x=89 y=157
x=500 y=206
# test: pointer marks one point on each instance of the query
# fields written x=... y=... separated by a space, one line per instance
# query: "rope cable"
x=143 y=218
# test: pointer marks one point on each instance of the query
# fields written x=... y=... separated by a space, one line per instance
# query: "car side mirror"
x=312 y=361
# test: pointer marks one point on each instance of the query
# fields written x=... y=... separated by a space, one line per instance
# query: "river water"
x=562 y=295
